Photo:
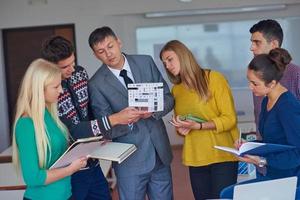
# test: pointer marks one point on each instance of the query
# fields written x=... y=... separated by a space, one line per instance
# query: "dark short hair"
x=56 y=48
x=99 y=34
x=270 y=29
x=270 y=66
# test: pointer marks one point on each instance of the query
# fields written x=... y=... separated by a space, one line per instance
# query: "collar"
x=126 y=66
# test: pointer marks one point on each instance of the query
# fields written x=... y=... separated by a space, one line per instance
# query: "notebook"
x=278 y=189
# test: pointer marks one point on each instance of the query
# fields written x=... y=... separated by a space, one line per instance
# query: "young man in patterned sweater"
x=73 y=108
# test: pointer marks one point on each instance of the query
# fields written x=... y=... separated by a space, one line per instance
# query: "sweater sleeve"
x=222 y=96
x=101 y=107
x=291 y=79
x=89 y=128
x=289 y=116
x=25 y=137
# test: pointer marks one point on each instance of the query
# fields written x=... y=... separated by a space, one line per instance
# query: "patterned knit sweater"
x=73 y=108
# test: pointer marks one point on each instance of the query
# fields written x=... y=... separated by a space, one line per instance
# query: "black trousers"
x=208 y=181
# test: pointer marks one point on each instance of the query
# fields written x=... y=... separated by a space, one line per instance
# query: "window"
x=220 y=46
x=224 y=47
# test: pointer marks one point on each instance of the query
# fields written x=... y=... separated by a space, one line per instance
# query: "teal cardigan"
x=33 y=175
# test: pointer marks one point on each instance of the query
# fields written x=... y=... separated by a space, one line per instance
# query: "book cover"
x=113 y=151
x=191 y=117
x=255 y=148
x=95 y=147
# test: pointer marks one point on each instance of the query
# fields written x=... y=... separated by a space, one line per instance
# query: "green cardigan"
x=33 y=175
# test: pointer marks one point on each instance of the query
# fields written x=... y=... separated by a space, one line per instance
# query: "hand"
x=174 y=122
x=104 y=141
x=238 y=143
x=126 y=116
x=188 y=124
x=78 y=164
x=146 y=115
x=183 y=131
x=179 y=128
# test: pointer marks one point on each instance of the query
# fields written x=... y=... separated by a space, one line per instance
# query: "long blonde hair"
x=191 y=74
x=31 y=103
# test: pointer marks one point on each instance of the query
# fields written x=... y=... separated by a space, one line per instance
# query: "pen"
x=240 y=138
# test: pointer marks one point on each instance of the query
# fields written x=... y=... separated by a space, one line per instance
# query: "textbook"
x=95 y=147
x=256 y=148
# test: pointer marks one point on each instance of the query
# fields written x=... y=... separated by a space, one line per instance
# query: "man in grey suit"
x=147 y=171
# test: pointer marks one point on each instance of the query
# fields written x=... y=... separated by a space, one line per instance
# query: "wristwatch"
x=262 y=162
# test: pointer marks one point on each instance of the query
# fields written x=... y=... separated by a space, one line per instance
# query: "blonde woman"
x=39 y=137
x=205 y=94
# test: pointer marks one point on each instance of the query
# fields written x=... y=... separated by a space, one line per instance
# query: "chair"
x=276 y=189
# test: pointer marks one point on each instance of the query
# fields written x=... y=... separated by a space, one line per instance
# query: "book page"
x=80 y=150
x=228 y=149
x=247 y=146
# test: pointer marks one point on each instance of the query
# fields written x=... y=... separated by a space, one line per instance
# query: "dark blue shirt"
x=281 y=125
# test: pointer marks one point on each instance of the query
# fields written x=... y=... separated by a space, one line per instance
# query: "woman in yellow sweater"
x=205 y=94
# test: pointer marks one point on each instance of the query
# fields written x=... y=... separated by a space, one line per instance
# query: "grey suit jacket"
x=109 y=96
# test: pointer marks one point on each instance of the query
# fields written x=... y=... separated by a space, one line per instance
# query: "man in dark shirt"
x=265 y=36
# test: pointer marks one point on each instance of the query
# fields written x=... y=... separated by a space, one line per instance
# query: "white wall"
x=123 y=16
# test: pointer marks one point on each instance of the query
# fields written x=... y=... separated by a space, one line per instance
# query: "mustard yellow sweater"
x=198 y=149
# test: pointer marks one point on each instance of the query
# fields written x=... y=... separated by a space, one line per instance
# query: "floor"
x=181 y=184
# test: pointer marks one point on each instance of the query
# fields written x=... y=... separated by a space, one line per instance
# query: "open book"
x=256 y=148
x=95 y=147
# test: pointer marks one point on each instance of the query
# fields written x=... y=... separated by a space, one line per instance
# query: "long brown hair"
x=191 y=74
